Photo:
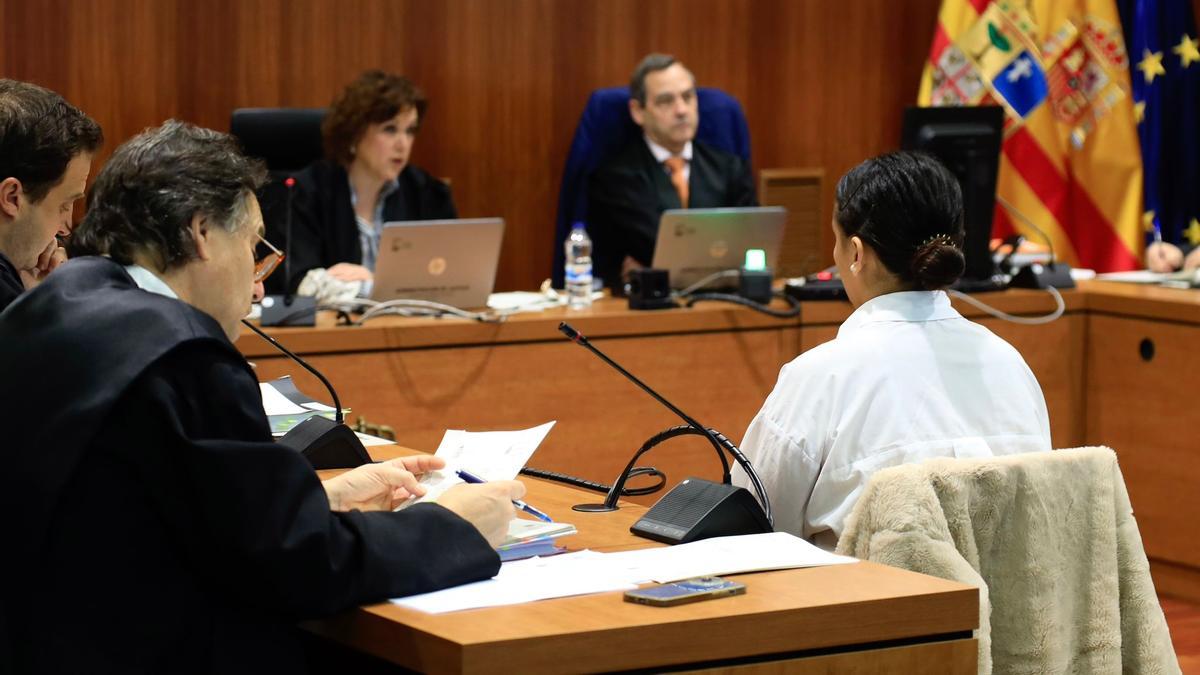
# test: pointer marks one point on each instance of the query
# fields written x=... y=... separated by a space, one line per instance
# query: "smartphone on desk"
x=683 y=592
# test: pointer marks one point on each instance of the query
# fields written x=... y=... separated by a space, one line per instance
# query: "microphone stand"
x=289 y=309
x=718 y=440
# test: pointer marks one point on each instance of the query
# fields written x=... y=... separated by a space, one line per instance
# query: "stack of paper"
x=529 y=538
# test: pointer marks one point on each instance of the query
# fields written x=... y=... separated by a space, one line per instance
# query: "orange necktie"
x=675 y=165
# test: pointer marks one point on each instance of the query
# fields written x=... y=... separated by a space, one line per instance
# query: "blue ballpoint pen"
x=472 y=478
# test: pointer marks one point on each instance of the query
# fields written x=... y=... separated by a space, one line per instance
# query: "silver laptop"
x=694 y=243
x=448 y=261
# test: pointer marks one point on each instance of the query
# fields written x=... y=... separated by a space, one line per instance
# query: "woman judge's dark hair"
x=907 y=207
x=374 y=97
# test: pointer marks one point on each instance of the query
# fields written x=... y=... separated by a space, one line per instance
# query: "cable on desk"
x=706 y=281
x=790 y=313
x=426 y=308
x=601 y=487
x=1061 y=307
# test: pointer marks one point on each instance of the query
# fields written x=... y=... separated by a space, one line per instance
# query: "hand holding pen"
x=472 y=478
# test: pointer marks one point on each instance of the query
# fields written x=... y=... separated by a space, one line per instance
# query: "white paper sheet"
x=275 y=403
x=491 y=455
x=723 y=555
x=524 y=581
x=590 y=572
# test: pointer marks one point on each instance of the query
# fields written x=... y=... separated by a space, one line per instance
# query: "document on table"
x=286 y=406
x=723 y=555
x=491 y=455
x=525 y=581
x=590 y=572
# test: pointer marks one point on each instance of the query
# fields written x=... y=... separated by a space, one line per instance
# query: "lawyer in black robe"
x=324 y=230
x=629 y=192
x=151 y=523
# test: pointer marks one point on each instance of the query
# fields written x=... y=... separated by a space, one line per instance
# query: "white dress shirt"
x=906 y=379
x=662 y=154
x=149 y=281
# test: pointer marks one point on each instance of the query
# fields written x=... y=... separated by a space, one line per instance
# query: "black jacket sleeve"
x=622 y=221
x=256 y=513
x=741 y=184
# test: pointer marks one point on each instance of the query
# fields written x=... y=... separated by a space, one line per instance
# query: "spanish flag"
x=1070 y=161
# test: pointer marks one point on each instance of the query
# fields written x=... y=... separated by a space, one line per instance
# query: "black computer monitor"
x=967 y=141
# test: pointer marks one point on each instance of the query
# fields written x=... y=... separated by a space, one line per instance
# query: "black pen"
x=472 y=478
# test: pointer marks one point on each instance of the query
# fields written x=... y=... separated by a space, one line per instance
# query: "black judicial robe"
x=10 y=283
x=630 y=190
x=151 y=525
x=324 y=229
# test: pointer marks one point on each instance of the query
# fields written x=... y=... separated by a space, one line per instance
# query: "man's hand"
x=49 y=259
x=382 y=486
x=349 y=272
x=487 y=506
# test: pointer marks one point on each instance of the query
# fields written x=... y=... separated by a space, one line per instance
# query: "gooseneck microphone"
x=288 y=309
x=696 y=508
x=288 y=291
x=326 y=443
x=581 y=340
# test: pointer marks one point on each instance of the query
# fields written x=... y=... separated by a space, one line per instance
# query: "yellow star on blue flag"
x=1193 y=232
x=1162 y=44
x=1188 y=50
x=1151 y=65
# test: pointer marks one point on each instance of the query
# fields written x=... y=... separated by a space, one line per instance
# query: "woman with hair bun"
x=907 y=378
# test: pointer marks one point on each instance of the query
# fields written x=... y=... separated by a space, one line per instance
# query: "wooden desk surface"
x=782 y=613
x=1142 y=301
x=605 y=319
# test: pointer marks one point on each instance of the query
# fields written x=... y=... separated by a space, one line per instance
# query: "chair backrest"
x=1050 y=539
x=605 y=126
x=287 y=139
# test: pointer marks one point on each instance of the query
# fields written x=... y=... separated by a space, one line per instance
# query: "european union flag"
x=1022 y=83
x=1164 y=58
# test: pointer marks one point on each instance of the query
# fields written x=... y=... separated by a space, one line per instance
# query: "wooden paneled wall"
x=823 y=81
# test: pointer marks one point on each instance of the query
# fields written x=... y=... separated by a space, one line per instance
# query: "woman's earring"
x=854 y=268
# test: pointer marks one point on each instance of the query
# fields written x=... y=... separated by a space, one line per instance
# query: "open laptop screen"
x=694 y=243
x=448 y=261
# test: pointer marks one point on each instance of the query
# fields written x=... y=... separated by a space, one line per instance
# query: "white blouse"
x=906 y=379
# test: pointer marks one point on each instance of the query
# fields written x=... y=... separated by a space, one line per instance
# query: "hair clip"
x=940 y=238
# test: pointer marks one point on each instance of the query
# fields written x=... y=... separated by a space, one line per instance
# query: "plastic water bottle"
x=579 y=268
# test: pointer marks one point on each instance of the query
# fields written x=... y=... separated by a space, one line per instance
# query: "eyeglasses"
x=266 y=264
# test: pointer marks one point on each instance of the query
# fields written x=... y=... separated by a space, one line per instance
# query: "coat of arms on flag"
x=1060 y=71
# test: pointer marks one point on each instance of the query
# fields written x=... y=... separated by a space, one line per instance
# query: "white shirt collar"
x=904 y=306
x=148 y=281
x=661 y=154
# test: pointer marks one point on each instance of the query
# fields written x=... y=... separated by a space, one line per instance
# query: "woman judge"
x=340 y=203
x=907 y=377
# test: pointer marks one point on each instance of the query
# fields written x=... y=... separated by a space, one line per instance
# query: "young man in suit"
x=46 y=148
x=665 y=169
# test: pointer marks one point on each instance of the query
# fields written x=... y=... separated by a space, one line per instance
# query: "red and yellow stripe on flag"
x=1071 y=161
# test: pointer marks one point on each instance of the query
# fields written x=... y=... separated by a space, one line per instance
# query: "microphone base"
x=1051 y=275
x=289 y=310
x=700 y=509
x=593 y=508
x=326 y=444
